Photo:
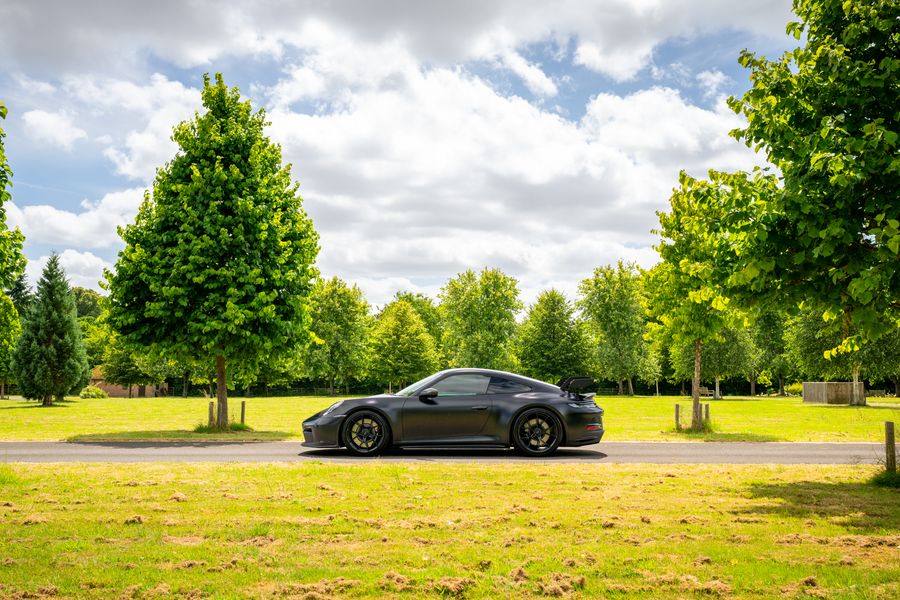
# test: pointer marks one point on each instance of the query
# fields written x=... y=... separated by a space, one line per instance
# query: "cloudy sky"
x=428 y=137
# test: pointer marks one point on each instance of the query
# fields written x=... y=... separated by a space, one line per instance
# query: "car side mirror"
x=428 y=394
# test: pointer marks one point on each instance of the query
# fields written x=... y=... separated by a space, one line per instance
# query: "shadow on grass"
x=863 y=506
x=718 y=436
x=19 y=404
x=180 y=435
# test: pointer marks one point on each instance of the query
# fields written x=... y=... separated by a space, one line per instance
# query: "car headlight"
x=332 y=408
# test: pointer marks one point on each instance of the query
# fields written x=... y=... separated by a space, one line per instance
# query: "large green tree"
x=120 y=367
x=826 y=116
x=87 y=302
x=729 y=354
x=402 y=349
x=613 y=304
x=688 y=296
x=218 y=265
x=10 y=328
x=12 y=261
x=768 y=332
x=550 y=343
x=49 y=360
x=20 y=294
x=340 y=322
x=429 y=312
x=479 y=312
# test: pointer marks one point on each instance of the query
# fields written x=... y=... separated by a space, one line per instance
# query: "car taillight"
x=593 y=427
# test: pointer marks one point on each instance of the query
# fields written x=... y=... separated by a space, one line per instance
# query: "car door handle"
x=479 y=408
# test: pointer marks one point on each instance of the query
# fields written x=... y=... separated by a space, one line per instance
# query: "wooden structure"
x=832 y=392
x=118 y=391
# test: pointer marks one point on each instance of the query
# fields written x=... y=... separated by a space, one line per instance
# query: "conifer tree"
x=49 y=360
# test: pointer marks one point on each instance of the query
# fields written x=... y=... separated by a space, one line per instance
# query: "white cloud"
x=94 y=227
x=83 y=269
x=712 y=82
x=52 y=127
x=532 y=75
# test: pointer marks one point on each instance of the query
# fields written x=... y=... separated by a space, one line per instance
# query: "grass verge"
x=463 y=530
x=627 y=418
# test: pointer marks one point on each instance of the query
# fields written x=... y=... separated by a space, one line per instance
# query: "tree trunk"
x=630 y=387
x=3 y=389
x=221 y=394
x=331 y=385
x=129 y=391
x=186 y=384
x=896 y=381
x=47 y=401
x=696 y=415
x=718 y=395
x=657 y=387
x=857 y=399
x=781 y=385
x=620 y=386
x=683 y=393
x=753 y=387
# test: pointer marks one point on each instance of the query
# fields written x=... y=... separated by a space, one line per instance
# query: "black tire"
x=366 y=433
x=537 y=432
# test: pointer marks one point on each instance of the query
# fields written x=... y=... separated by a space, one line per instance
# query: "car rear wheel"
x=537 y=432
x=366 y=433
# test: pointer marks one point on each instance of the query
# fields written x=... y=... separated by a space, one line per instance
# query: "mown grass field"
x=409 y=531
x=627 y=418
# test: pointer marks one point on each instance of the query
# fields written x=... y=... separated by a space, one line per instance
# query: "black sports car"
x=473 y=407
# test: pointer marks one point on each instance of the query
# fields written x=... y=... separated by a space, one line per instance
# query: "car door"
x=460 y=409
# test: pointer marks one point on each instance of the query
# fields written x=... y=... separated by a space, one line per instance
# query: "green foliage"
x=218 y=264
x=340 y=322
x=231 y=427
x=49 y=359
x=402 y=349
x=826 y=116
x=809 y=337
x=12 y=261
x=92 y=391
x=612 y=302
x=88 y=303
x=480 y=319
x=550 y=344
x=20 y=294
x=10 y=328
x=97 y=337
x=794 y=389
x=768 y=332
x=428 y=311
x=122 y=367
x=729 y=354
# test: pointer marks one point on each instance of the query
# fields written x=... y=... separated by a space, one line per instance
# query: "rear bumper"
x=584 y=427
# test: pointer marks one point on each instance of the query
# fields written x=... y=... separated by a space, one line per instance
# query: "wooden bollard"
x=212 y=415
x=706 y=413
x=890 y=450
x=677 y=417
x=243 y=410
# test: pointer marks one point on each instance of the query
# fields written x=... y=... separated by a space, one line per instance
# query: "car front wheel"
x=537 y=432
x=366 y=433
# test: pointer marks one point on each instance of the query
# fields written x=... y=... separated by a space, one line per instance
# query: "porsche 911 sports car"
x=470 y=407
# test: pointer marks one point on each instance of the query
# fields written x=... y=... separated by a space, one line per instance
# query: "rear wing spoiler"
x=574 y=384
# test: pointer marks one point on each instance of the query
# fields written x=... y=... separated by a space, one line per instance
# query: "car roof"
x=543 y=385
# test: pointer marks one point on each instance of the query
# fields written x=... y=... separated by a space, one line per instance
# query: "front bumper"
x=322 y=432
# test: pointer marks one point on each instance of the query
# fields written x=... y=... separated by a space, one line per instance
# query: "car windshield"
x=408 y=390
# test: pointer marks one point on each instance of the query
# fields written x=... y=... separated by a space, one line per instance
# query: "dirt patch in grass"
x=395 y=582
x=187 y=540
x=452 y=586
x=560 y=584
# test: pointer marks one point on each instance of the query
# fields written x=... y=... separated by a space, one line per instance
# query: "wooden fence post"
x=212 y=415
x=243 y=410
x=706 y=414
x=890 y=450
x=677 y=417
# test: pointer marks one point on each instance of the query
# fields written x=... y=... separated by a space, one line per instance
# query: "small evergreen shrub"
x=92 y=391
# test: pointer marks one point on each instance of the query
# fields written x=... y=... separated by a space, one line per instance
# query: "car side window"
x=500 y=385
x=470 y=384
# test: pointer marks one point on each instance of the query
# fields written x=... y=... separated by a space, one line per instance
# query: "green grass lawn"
x=463 y=530
x=627 y=418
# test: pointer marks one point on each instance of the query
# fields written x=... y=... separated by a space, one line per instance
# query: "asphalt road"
x=606 y=452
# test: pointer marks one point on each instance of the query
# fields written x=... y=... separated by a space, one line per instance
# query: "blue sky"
x=536 y=137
